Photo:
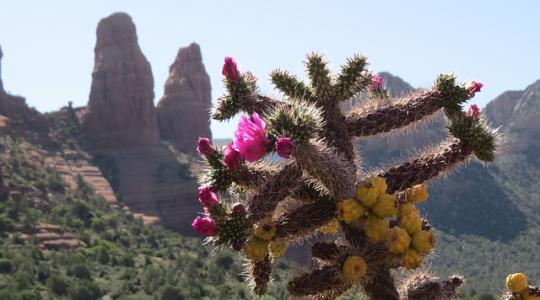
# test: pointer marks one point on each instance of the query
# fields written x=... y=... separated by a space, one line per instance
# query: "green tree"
x=57 y=284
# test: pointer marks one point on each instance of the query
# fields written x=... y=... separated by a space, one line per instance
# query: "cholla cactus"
x=319 y=187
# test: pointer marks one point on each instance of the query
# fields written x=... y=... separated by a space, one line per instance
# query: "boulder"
x=183 y=111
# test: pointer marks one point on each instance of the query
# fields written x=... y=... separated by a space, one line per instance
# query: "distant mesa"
x=120 y=112
x=183 y=111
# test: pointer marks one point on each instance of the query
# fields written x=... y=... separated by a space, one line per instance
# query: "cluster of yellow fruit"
x=517 y=283
x=408 y=237
x=373 y=205
x=263 y=241
x=354 y=268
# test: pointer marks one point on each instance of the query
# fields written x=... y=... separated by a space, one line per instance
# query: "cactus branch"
x=315 y=282
x=274 y=190
x=306 y=218
x=424 y=168
x=389 y=117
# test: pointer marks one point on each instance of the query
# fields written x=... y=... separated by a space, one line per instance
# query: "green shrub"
x=57 y=284
x=98 y=224
x=80 y=271
x=27 y=295
x=84 y=291
x=6 y=224
x=102 y=255
x=152 y=278
x=169 y=292
x=127 y=260
x=6 y=265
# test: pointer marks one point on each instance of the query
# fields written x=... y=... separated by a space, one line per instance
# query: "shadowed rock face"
x=183 y=111
x=120 y=112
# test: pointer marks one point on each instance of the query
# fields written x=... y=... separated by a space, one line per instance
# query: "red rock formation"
x=24 y=120
x=121 y=111
x=183 y=111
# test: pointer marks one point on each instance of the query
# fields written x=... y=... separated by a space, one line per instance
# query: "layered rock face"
x=183 y=111
x=25 y=120
x=120 y=111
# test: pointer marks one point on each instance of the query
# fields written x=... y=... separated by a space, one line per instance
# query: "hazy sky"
x=48 y=45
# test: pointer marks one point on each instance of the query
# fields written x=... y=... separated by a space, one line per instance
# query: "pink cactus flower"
x=205 y=226
x=230 y=69
x=377 y=83
x=205 y=147
x=474 y=88
x=207 y=197
x=250 y=138
x=474 y=111
x=284 y=147
x=232 y=157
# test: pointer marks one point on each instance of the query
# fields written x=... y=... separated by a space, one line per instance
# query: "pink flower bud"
x=232 y=157
x=377 y=83
x=207 y=197
x=205 y=226
x=284 y=147
x=239 y=209
x=230 y=69
x=205 y=147
x=238 y=246
x=474 y=111
x=474 y=88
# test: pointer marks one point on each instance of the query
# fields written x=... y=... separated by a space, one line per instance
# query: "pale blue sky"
x=48 y=45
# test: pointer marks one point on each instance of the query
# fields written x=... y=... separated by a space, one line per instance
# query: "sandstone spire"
x=183 y=111
x=120 y=112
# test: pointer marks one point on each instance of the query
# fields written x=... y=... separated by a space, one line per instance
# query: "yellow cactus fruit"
x=256 y=249
x=349 y=210
x=330 y=227
x=379 y=183
x=411 y=222
x=411 y=259
x=385 y=206
x=366 y=193
x=423 y=241
x=278 y=248
x=354 y=268
x=398 y=240
x=419 y=193
x=376 y=229
x=516 y=282
x=526 y=295
x=265 y=229
x=406 y=208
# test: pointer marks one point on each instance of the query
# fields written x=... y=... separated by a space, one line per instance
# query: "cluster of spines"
x=325 y=171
